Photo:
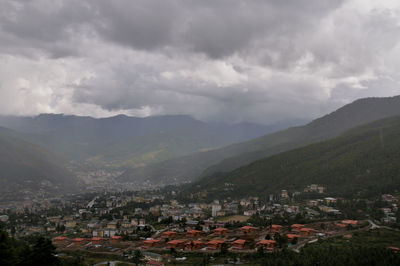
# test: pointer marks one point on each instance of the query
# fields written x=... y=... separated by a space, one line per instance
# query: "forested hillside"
x=25 y=167
x=362 y=160
x=190 y=167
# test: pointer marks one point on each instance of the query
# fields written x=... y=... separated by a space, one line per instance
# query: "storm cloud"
x=260 y=61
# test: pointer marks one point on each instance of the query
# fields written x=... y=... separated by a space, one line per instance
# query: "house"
x=60 y=239
x=220 y=231
x=297 y=227
x=215 y=244
x=330 y=200
x=169 y=234
x=79 y=241
x=192 y=245
x=238 y=244
x=291 y=237
x=70 y=224
x=151 y=243
x=248 y=229
x=193 y=233
x=98 y=240
x=112 y=225
x=276 y=228
x=176 y=244
x=267 y=244
x=306 y=231
x=351 y=222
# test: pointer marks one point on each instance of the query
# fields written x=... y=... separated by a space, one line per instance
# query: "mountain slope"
x=228 y=158
x=27 y=168
x=123 y=141
x=364 y=159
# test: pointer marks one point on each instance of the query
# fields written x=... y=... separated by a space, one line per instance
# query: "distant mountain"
x=123 y=141
x=225 y=159
x=362 y=160
x=26 y=168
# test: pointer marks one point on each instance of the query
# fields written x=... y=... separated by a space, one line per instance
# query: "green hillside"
x=123 y=141
x=225 y=159
x=27 y=168
x=362 y=160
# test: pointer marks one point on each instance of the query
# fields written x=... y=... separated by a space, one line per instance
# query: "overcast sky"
x=259 y=61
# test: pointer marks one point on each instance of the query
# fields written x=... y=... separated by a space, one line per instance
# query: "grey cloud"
x=215 y=59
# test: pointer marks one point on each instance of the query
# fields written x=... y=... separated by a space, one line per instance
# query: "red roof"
x=306 y=229
x=97 y=238
x=220 y=229
x=60 y=238
x=151 y=241
x=194 y=231
x=195 y=243
x=297 y=225
x=239 y=242
x=248 y=228
x=215 y=242
x=175 y=242
x=79 y=239
x=291 y=236
x=353 y=222
x=116 y=237
x=169 y=233
x=276 y=226
x=266 y=242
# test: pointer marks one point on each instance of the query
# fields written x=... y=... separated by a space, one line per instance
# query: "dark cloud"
x=216 y=59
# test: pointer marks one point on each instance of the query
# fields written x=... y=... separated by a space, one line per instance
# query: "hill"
x=123 y=141
x=225 y=159
x=362 y=160
x=26 y=168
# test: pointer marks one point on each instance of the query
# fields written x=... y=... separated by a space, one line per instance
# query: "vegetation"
x=364 y=160
x=233 y=156
x=27 y=166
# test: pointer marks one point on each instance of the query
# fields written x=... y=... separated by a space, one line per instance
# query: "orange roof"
x=248 y=228
x=306 y=229
x=266 y=242
x=169 y=233
x=341 y=225
x=276 y=226
x=297 y=225
x=194 y=231
x=97 y=238
x=195 y=243
x=175 y=242
x=291 y=236
x=151 y=241
x=79 y=239
x=60 y=238
x=116 y=237
x=215 y=242
x=239 y=242
x=220 y=229
x=353 y=222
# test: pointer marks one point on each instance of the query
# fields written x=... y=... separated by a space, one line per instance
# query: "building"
x=215 y=208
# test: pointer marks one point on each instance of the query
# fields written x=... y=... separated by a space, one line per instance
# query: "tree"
x=43 y=253
x=137 y=257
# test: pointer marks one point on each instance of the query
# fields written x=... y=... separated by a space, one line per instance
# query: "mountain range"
x=123 y=141
x=188 y=168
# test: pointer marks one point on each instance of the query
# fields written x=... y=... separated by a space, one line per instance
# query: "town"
x=158 y=227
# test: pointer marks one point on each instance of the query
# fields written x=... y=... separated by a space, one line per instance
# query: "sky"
x=216 y=60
